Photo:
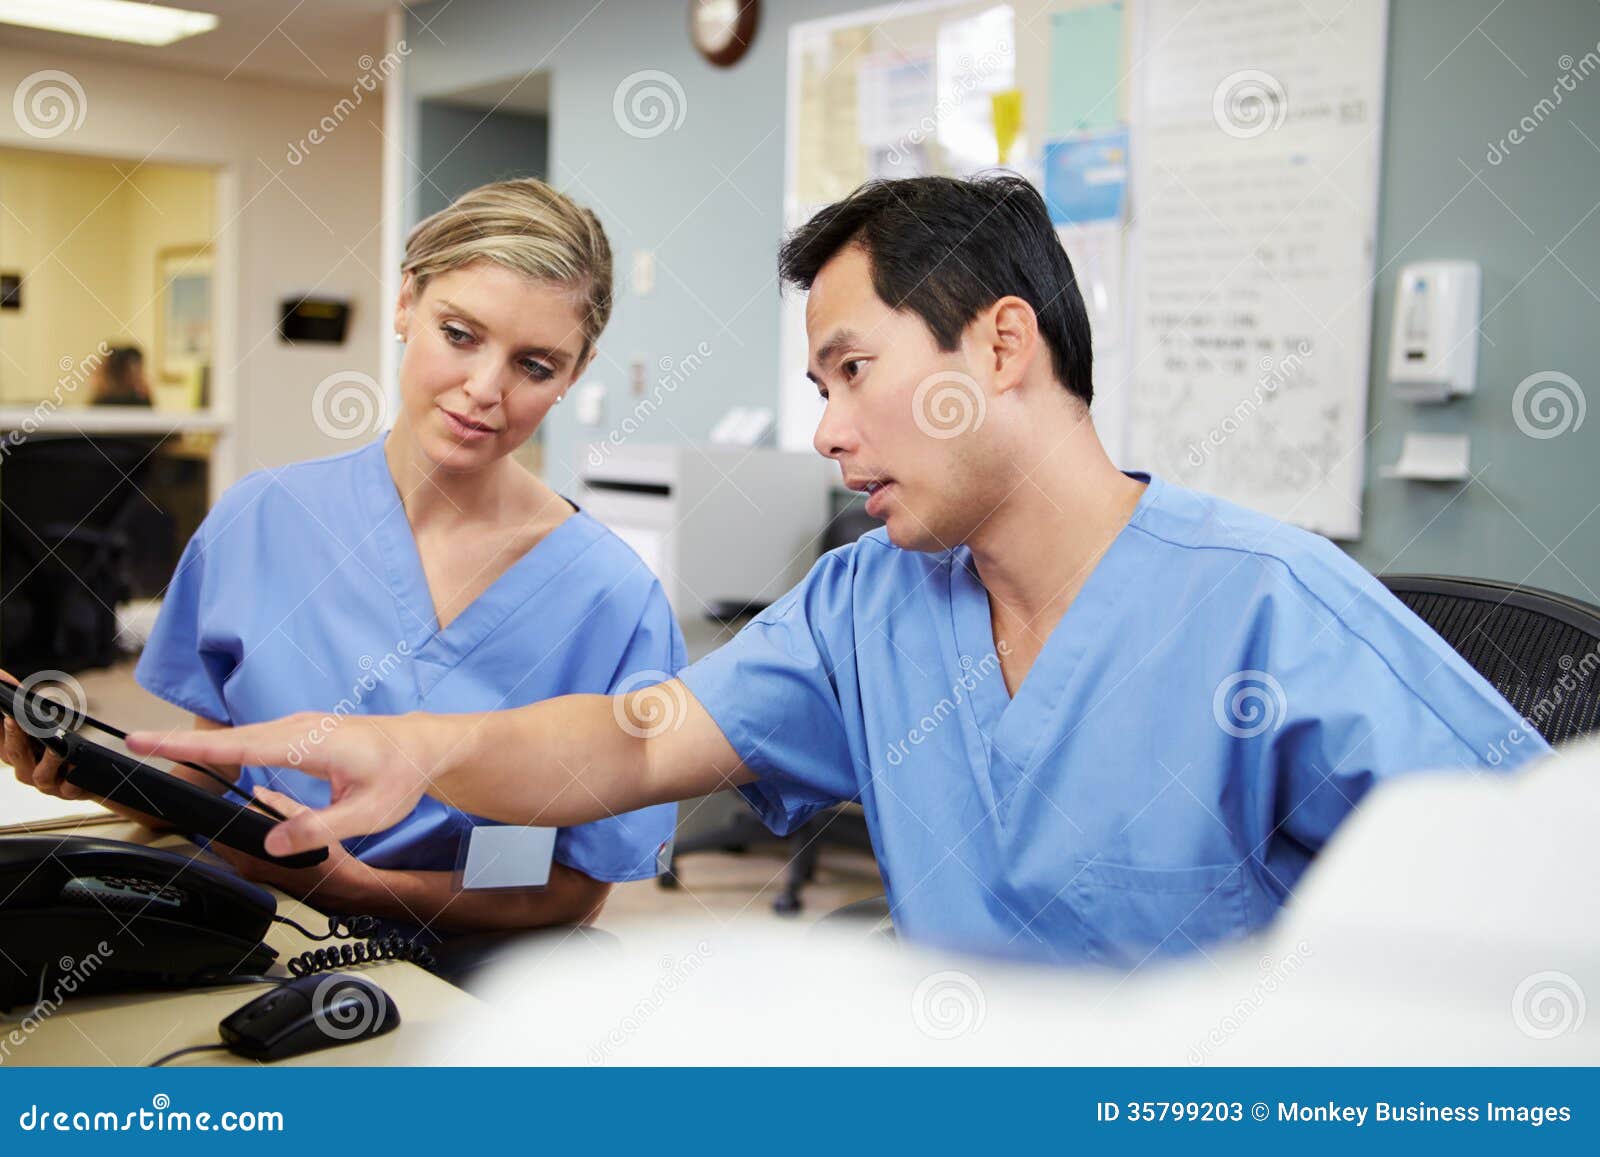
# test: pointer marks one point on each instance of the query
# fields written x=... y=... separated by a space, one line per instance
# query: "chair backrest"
x=73 y=480
x=1539 y=649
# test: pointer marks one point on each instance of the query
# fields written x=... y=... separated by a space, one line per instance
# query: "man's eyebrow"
x=830 y=349
x=549 y=353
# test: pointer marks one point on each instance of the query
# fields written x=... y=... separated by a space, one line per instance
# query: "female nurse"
x=430 y=571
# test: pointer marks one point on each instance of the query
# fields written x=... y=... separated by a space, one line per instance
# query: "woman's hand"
x=36 y=765
x=341 y=883
x=378 y=767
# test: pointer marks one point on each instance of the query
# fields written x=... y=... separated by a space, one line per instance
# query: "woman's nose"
x=485 y=387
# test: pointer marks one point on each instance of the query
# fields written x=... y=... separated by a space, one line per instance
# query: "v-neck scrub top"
x=1218 y=697
x=304 y=591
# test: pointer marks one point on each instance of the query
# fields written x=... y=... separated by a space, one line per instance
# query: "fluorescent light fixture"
x=108 y=19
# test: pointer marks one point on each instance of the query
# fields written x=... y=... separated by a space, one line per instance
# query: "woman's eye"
x=850 y=368
x=455 y=335
x=538 y=371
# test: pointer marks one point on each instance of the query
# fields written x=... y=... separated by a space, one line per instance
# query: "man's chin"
x=907 y=533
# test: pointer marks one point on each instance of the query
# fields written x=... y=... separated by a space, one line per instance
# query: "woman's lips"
x=464 y=430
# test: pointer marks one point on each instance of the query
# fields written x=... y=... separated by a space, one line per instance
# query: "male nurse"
x=1091 y=716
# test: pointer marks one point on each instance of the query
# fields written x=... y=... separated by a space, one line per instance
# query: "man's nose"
x=835 y=435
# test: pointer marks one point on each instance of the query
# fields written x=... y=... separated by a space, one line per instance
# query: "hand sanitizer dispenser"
x=1433 y=348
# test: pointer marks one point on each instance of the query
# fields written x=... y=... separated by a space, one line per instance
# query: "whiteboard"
x=841 y=128
x=1240 y=360
x=1256 y=189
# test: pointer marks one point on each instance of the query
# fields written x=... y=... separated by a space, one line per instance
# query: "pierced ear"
x=404 y=304
x=582 y=365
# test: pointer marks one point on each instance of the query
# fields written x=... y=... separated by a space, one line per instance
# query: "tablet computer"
x=100 y=763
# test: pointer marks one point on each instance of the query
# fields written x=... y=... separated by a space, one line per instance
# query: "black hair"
x=123 y=360
x=946 y=249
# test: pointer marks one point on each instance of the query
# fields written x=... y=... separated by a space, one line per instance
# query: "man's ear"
x=1013 y=333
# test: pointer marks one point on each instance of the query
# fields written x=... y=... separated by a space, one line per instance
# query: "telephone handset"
x=83 y=914
x=112 y=915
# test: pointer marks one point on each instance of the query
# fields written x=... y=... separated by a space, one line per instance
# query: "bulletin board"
x=1236 y=145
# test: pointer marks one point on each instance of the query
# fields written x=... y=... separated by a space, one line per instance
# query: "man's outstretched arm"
x=556 y=763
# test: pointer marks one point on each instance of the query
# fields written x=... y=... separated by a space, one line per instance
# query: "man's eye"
x=850 y=368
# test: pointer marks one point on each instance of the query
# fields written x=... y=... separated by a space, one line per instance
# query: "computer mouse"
x=309 y=1013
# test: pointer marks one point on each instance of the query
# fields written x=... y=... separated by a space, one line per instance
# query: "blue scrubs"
x=1219 y=696
x=303 y=591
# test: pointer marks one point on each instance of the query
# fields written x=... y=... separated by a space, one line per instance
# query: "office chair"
x=842 y=826
x=74 y=527
x=1539 y=649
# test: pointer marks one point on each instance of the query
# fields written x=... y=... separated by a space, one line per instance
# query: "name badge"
x=507 y=856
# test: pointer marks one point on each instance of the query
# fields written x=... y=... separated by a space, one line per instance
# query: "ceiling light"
x=108 y=19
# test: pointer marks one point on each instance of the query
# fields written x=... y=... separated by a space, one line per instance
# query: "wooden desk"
x=135 y=1029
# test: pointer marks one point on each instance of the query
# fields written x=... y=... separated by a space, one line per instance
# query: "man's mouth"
x=876 y=490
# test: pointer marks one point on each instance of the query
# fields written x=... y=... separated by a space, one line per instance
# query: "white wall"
x=283 y=228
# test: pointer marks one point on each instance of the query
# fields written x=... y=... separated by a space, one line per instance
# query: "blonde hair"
x=527 y=227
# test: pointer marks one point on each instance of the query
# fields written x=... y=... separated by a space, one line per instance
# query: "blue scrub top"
x=303 y=591
x=1218 y=697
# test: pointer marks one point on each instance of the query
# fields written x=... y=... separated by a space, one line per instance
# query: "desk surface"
x=136 y=1028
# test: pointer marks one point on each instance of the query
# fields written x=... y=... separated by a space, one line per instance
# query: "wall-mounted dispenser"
x=1433 y=348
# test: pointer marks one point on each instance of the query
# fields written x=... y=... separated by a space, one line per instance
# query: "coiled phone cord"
x=367 y=948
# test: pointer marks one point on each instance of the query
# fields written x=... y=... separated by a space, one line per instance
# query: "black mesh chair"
x=74 y=527
x=843 y=826
x=1539 y=649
